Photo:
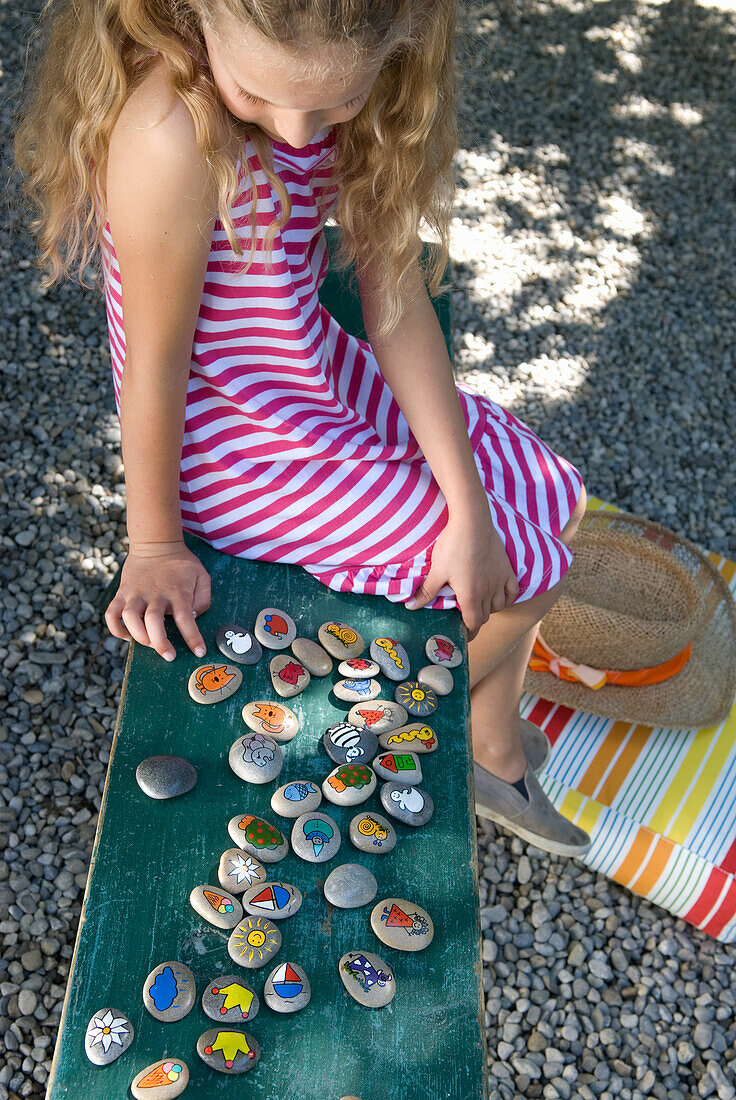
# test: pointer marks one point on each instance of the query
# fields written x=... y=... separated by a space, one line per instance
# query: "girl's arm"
x=161 y=219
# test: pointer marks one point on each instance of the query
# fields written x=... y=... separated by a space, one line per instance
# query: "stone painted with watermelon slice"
x=216 y=905
x=275 y=900
x=161 y=1080
x=402 y=924
x=258 y=837
x=287 y=988
x=378 y=716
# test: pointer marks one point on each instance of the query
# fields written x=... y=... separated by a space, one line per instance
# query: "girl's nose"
x=296 y=132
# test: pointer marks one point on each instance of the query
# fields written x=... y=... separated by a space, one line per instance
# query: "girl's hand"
x=157 y=578
x=470 y=556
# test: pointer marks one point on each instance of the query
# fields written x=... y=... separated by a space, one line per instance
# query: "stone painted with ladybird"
x=436 y=677
x=214 y=682
x=358 y=667
x=350 y=885
x=340 y=641
x=238 y=644
x=357 y=691
x=398 y=767
x=378 y=716
x=414 y=737
x=228 y=1050
x=287 y=988
x=346 y=744
x=169 y=991
x=368 y=979
x=275 y=900
x=288 y=676
x=416 y=699
x=165 y=776
x=349 y=784
x=372 y=832
x=229 y=1000
x=275 y=629
x=295 y=798
x=254 y=942
x=441 y=650
x=258 y=837
x=255 y=758
x=109 y=1034
x=315 y=659
x=216 y=906
x=238 y=871
x=409 y=804
x=275 y=720
x=402 y=924
x=391 y=657
x=162 y=1080
x=315 y=837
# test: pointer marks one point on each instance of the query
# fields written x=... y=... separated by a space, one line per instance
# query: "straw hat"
x=647 y=608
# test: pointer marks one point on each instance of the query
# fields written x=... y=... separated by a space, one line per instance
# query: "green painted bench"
x=428 y=1044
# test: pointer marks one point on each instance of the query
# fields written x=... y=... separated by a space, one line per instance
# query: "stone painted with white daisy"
x=239 y=870
x=109 y=1034
x=162 y=1080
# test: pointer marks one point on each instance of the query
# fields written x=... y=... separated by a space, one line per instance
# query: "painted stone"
x=238 y=871
x=275 y=900
x=161 y=1080
x=367 y=978
x=436 y=677
x=219 y=908
x=109 y=1034
x=315 y=659
x=230 y=1001
x=340 y=641
x=315 y=837
x=349 y=784
x=255 y=758
x=409 y=804
x=346 y=744
x=169 y=991
x=228 y=1051
x=441 y=650
x=254 y=942
x=350 y=885
x=300 y=797
x=416 y=698
x=213 y=683
x=372 y=832
x=165 y=776
x=355 y=691
x=288 y=676
x=275 y=720
x=258 y=837
x=402 y=924
x=287 y=988
x=398 y=767
x=414 y=737
x=274 y=628
x=391 y=657
x=378 y=716
x=359 y=667
x=238 y=644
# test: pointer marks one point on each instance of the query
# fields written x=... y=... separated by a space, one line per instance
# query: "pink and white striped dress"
x=295 y=449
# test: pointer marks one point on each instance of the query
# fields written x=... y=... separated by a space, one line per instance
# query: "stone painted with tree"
x=349 y=784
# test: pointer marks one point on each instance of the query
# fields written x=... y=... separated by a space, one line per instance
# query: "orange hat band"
x=544 y=659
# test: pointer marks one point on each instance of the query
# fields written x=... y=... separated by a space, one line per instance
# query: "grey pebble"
x=437 y=677
x=314 y=658
x=165 y=776
x=350 y=885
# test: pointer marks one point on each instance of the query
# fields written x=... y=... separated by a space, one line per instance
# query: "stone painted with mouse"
x=255 y=758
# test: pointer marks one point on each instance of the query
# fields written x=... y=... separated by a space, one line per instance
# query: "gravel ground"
x=594 y=252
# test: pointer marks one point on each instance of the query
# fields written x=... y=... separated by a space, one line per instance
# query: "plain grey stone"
x=169 y=991
x=437 y=677
x=372 y=832
x=245 y=1051
x=391 y=657
x=315 y=837
x=412 y=805
x=238 y=644
x=165 y=776
x=282 y=991
x=230 y=1000
x=350 y=885
x=368 y=979
x=109 y=1034
x=298 y=797
x=345 y=743
x=256 y=758
x=314 y=658
x=275 y=629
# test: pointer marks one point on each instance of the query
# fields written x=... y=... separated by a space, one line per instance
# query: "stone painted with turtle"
x=402 y=924
x=372 y=832
x=340 y=640
x=414 y=737
x=169 y=991
x=162 y=1080
x=274 y=628
x=216 y=906
x=441 y=650
x=368 y=979
x=274 y=720
x=238 y=644
x=259 y=837
x=416 y=698
x=295 y=798
x=228 y=1050
x=288 y=676
x=109 y=1034
x=214 y=682
x=238 y=870
x=253 y=942
x=230 y=1000
x=392 y=658
x=349 y=784
x=379 y=715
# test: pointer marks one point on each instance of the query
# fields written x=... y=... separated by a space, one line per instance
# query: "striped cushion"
x=659 y=804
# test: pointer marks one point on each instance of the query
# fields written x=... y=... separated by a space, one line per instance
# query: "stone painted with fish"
x=357 y=691
x=295 y=798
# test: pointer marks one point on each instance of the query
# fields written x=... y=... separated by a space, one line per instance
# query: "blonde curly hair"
x=393 y=159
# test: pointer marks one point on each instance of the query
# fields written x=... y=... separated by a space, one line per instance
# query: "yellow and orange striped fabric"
x=659 y=804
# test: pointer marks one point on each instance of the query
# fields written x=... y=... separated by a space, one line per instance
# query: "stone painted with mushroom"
x=340 y=640
x=412 y=805
x=230 y=1000
x=344 y=743
x=372 y=832
x=378 y=716
x=357 y=691
x=368 y=979
x=414 y=737
x=287 y=988
x=275 y=629
x=349 y=784
x=238 y=870
x=436 y=677
x=254 y=942
x=274 y=720
x=359 y=668
x=109 y=1034
x=258 y=837
x=441 y=650
x=165 y=776
x=275 y=900
x=214 y=682
x=216 y=906
x=162 y=1080
x=402 y=924
x=288 y=676
x=228 y=1050
x=398 y=767
x=390 y=655
x=416 y=699
x=255 y=758
x=238 y=644
x=315 y=659
x=315 y=837
x=350 y=885
x=169 y=991
x=295 y=798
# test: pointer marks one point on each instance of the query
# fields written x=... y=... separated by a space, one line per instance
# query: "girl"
x=248 y=415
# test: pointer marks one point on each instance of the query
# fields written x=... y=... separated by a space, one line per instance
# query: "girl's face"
x=260 y=82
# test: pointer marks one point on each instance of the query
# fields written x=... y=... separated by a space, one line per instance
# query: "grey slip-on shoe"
x=534 y=819
x=535 y=744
